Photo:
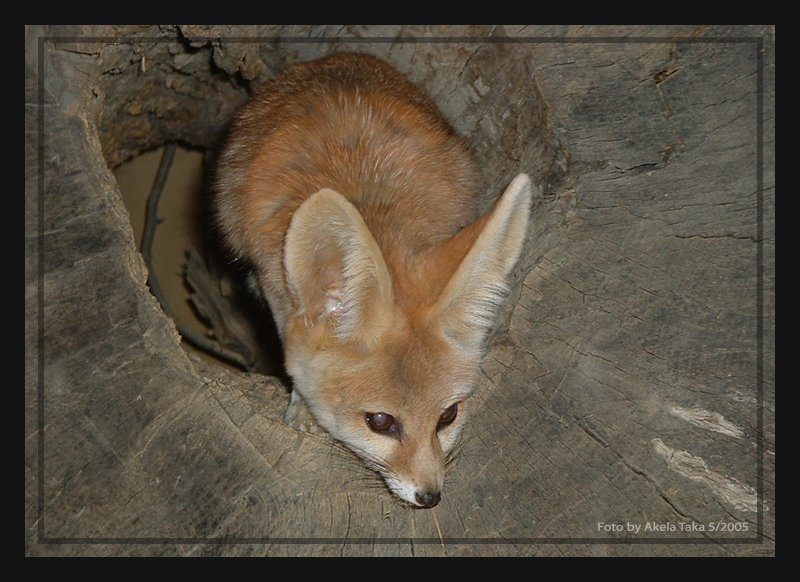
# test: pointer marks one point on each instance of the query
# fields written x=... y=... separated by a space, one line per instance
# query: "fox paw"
x=299 y=417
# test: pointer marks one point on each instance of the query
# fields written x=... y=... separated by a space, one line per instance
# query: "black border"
x=758 y=43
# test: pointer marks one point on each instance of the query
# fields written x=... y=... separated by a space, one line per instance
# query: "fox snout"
x=408 y=447
x=426 y=496
x=417 y=478
x=423 y=497
x=401 y=408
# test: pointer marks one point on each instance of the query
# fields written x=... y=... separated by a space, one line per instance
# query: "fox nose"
x=428 y=499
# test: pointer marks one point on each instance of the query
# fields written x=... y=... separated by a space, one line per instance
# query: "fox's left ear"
x=467 y=306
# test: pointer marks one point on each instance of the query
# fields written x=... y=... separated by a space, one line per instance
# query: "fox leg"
x=298 y=416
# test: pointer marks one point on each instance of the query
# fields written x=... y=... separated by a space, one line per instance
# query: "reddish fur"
x=350 y=123
x=391 y=154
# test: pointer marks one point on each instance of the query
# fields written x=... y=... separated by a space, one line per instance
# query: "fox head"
x=386 y=358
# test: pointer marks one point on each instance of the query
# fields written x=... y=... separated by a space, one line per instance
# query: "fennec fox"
x=355 y=203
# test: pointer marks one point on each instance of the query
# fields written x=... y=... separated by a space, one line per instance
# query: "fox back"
x=355 y=202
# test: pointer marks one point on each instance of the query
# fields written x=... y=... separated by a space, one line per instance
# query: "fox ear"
x=335 y=270
x=467 y=306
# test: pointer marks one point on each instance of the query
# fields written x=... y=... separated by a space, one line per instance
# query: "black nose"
x=428 y=499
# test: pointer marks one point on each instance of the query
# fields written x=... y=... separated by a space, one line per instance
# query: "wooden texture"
x=622 y=385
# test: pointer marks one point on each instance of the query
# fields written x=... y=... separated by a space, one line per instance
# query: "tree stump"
x=627 y=401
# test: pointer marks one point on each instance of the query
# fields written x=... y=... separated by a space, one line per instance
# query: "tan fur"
x=354 y=200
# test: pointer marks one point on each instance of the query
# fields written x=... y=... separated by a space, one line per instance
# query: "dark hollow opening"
x=199 y=284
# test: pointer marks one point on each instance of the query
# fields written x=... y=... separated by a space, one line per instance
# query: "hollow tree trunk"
x=632 y=383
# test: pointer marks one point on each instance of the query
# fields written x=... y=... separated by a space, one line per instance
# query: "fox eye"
x=448 y=416
x=383 y=423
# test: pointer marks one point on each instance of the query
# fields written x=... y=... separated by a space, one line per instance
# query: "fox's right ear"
x=335 y=270
x=467 y=306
